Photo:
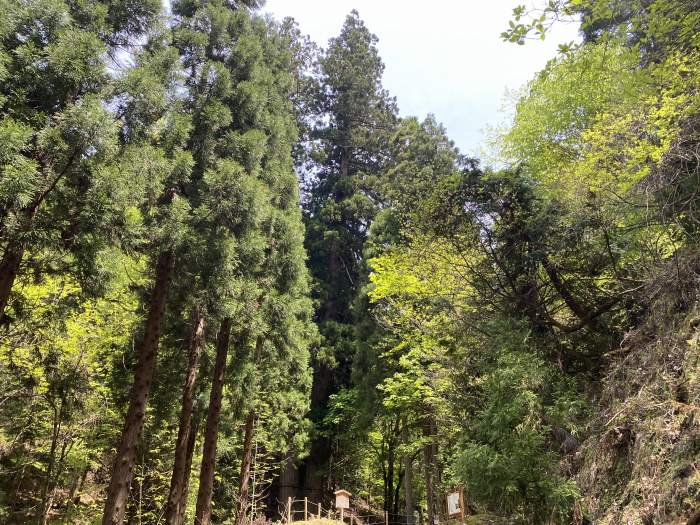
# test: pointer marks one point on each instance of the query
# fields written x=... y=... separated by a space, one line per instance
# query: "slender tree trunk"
x=14 y=252
x=123 y=468
x=563 y=289
x=206 y=475
x=397 y=494
x=191 y=442
x=47 y=508
x=9 y=267
x=47 y=490
x=389 y=481
x=78 y=486
x=428 y=461
x=178 y=478
x=244 y=479
x=408 y=475
x=437 y=469
x=393 y=489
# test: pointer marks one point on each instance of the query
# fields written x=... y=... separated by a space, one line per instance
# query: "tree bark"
x=563 y=289
x=9 y=267
x=78 y=486
x=206 y=475
x=172 y=512
x=428 y=460
x=408 y=475
x=47 y=490
x=389 y=479
x=123 y=468
x=244 y=479
x=191 y=442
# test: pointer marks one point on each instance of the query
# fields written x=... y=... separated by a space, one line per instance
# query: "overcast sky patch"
x=444 y=57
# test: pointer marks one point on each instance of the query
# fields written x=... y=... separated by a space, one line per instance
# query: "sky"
x=444 y=57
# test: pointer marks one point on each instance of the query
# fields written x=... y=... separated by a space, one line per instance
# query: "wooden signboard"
x=342 y=499
x=455 y=504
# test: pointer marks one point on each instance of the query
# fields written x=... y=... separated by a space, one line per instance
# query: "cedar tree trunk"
x=123 y=468
x=244 y=478
x=206 y=475
x=8 y=272
x=178 y=478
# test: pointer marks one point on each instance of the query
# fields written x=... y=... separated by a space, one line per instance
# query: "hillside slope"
x=640 y=463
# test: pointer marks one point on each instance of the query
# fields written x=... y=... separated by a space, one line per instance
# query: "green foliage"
x=564 y=101
x=506 y=459
x=456 y=317
x=515 y=399
x=355 y=115
x=653 y=26
x=57 y=370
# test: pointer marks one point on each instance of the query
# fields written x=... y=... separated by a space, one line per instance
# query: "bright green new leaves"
x=584 y=109
x=456 y=358
x=654 y=27
x=58 y=368
x=564 y=101
x=420 y=273
x=419 y=298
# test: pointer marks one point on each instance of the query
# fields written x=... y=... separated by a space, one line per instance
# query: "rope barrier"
x=312 y=510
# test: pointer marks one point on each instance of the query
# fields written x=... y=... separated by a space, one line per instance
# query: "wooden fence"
x=305 y=510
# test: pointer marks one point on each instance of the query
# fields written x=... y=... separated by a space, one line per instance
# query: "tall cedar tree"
x=246 y=245
x=205 y=35
x=280 y=377
x=356 y=116
x=167 y=223
x=158 y=160
x=62 y=63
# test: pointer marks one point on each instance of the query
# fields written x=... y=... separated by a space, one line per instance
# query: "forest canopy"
x=235 y=279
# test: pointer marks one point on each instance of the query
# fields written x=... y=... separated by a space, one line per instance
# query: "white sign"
x=453 y=506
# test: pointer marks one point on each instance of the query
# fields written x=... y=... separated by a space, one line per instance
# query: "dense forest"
x=232 y=274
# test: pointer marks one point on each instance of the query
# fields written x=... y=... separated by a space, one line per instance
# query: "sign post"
x=342 y=502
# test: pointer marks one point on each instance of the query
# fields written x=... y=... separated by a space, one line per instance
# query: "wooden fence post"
x=289 y=509
x=306 y=508
x=319 y=510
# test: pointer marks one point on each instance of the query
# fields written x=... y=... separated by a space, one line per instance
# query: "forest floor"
x=478 y=519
